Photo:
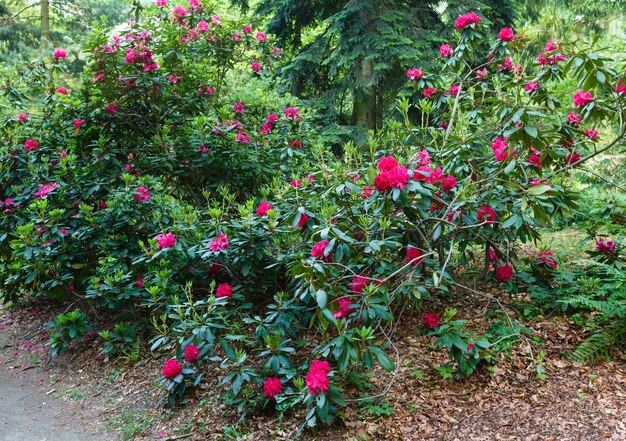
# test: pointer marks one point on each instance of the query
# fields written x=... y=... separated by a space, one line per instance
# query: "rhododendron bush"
x=155 y=191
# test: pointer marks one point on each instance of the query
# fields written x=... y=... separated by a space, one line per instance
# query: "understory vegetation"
x=172 y=186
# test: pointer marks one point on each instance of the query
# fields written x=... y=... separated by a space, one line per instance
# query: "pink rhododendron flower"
x=552 y=45
x=178 y=12
x=216 y=20
x=414 y=74
x=173 y=79
x=239 y=108
x=445 y=50
x=573 y=118
x=161 y=3
x=531 y=86
x=429 y=91
x=60 y=53
x=167 y=240
x=224 y=290
x=591 y=134
x=607 y=247
x=45 y=189
x=142 y=194
x=466 y=20
x=21 y=117
x=202 y=27
x=359 y=283
x=506 y=34
x=272 y=118
x=317 y=379
x=582 y=98
x=294 y=143
x=317 y=250
x=493 y=256
x=256 y=66
x=172 y=369
x=367 y=191
x=111 y=108
x=247 y=29
x=292 y=113
x=413 y=256
x=260 y=37
x=62 y=91
x=535 y=160
x=572 y=158
x=242 y=137
x=272 y=386
x=30 y=145
x=296 y=183
x=620 y=87
x=504 y=273
x=140 y=282
x=431 y=320
x=454 y=90
x=486 y=214
x=396 y=177
x=500 y=148
x=191 y=353
x=547 y=258
x=344 y=309
x=263 y=208
x=387 y=163
x=219 y=243
x=78 y=123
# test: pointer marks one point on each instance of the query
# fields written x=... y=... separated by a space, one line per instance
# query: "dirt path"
x=28 y=410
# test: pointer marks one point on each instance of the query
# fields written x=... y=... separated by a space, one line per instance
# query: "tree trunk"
x=45 y=22
x=364 y=107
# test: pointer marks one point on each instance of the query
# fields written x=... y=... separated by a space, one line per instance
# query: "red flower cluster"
x=263 y=208
x=317 y=379
x=344 y=309
x=486 y=214
x=272 y=386
x=317 y=251
x=191 y=353
x=142 y=194
x=547 y=258
x=504 y=273
x=415 y=74
x=167 y=240
x=30 y=145
x=582 y=98
x=431 y=320
x=466 y=20
x=219 y=243
x=413 y=256
x=506 y=34
x=391 y=175
x=607 y=247
x=500 y=148
x=224 y=290
x=445 y=50
x=172 y=369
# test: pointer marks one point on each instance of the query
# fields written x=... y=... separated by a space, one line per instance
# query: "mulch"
x=504 y=402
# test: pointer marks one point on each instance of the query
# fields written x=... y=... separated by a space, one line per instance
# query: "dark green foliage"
x=66 y=328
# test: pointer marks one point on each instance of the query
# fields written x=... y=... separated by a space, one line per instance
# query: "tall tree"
x=351 y=55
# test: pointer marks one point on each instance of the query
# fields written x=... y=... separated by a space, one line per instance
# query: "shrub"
x=154 y=190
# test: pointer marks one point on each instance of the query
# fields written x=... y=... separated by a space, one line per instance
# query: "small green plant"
x=131 y=424
x=376 y=409
x=66 y=328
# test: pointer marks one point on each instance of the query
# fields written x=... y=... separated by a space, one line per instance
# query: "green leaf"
x=322 y=298
x=382 y=358
x=538 y=189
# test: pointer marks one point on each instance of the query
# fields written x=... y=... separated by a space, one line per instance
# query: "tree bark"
x=45 y=22
x=364 y=107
